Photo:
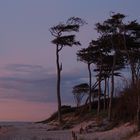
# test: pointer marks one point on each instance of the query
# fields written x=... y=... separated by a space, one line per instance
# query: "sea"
x=14 y=123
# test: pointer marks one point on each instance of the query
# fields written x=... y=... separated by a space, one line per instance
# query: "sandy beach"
x=33 y=132
x=44 y=132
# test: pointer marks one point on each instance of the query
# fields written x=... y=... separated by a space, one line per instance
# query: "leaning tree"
x=88 y=55
x=63 y=34
x=79 y=91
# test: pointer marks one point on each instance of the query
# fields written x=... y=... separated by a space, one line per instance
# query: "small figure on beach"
x=81 y=130
x=74 y=137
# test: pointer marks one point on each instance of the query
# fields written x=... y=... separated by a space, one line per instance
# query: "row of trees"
x=117 y=47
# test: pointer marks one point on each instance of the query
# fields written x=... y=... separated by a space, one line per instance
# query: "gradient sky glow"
x=27 y=57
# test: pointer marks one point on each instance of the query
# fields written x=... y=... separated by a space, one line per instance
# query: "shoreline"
x=36 y=131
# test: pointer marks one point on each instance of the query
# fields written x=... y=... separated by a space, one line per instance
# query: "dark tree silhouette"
x=95 y=48
x=130 y=36
x=132 y=45
x=110 y=31
x=62 y=38
x=79 y=92
x=88 y=56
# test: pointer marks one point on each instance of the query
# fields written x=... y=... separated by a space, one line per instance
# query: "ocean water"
x=14 y=123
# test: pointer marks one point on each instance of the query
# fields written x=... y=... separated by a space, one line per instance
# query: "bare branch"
x=60 y=48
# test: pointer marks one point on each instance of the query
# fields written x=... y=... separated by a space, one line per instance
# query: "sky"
x=27 y=57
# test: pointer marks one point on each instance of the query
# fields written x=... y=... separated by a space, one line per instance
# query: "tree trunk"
x=130 y=60
x=138 y=105
x=132 y=76
x=99 y=98
x=138 y=114
x=112 y=89
x=105 y=87
x=108 y=90
x=59 y=68
x=99 y=92
x=90 y=103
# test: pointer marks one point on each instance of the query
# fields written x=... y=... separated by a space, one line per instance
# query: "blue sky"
x=27 y=57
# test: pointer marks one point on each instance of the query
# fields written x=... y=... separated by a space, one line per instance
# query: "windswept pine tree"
x=88 y=56
x=63 y=34
x=110 y=31
x=79 y=91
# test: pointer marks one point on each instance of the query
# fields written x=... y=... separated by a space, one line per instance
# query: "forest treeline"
x=116 y=48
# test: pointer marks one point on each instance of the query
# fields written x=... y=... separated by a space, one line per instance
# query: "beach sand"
x=42 y=132
x=33 y=132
